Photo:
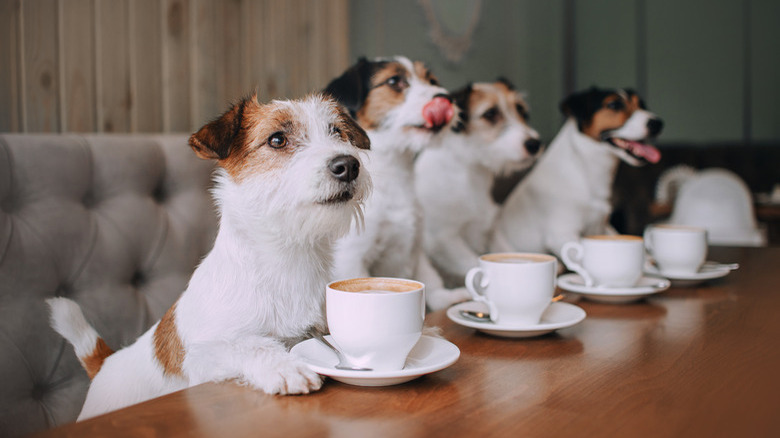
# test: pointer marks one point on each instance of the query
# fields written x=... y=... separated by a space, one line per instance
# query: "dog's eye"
x=523 y=113
x=616 y=105
x=434 y=81
x=397 y=83
x=491 y=115
x=334 y=130
x=277 y=140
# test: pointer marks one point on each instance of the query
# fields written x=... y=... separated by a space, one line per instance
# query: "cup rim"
x=678 y=228
x=533 y=256
x=616 y=238
x=353 y=285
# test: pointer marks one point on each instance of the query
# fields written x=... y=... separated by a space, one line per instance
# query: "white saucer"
x=709 y=271
x=431 y=354
x=647 y=286
x=557 y=316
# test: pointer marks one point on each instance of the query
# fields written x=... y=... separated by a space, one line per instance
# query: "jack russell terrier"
x=289 y=184
x=567 y=194
x=454 y=181
x=403 y=109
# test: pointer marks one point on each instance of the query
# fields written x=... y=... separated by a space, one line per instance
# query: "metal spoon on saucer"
x=343 y=362
x=476 y=316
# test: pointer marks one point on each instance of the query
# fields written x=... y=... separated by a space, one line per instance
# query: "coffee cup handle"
x=573 y=263
x=646 y=237
x=476 y=282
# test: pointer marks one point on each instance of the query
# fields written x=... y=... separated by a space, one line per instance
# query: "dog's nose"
x=532 y=145
x=344 y=168
x=654 y=127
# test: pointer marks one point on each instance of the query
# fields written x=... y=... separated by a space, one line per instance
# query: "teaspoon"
x=343 y=362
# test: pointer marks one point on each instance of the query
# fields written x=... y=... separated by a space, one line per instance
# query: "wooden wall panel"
x=204 y=61
x=10 y=89
x=40 y=97
x=113 y=66
x=177 y=104
x=77 y=49
x=146 y=65
x=159 y=65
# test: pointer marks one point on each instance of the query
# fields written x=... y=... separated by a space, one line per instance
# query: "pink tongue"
x=437 y=113
x=649 y=153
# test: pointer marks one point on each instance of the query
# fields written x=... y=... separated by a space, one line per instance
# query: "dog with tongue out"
x=403 y=109
x=567 y=194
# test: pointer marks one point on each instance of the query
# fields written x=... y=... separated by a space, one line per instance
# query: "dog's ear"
x=634 y=98
x=214 y=140
x=461 y=99
x=351 y=88
x=356 y=135
x=506 y=82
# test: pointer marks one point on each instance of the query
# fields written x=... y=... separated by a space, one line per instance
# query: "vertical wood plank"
x=176 y=66
x=10 y=84
x=228 y=54
x=146 y=66
x=204 y=60
x=338 y=33
x=113 y=66
x=77 y=56
x=317 y=43
x=41 y=66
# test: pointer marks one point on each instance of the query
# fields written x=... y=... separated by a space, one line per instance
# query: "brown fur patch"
x=497 y=96
x=353 y=132
x=168 y=347
x=382 y=98
x=94 y=361
x=607 y=119
x=422 y=72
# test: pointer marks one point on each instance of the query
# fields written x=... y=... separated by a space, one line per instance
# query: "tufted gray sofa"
x=115 y=222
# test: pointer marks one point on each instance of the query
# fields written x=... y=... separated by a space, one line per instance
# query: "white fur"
x=454 y=185
x=391 y=244
x=261 y=288
x=68 y=320
x=567 y=194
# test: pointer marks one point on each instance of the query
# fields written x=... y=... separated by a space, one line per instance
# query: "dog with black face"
x=403 y=109
x=567 y=194
x=492 y=137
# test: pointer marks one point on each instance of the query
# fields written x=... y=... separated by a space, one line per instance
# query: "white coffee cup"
x=375 y=321
x=608 y=261
x=517 y=287
x=677 y=249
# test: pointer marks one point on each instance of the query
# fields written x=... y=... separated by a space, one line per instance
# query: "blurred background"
x=709 y=68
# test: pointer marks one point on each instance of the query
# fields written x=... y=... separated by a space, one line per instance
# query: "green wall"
x=711 y=69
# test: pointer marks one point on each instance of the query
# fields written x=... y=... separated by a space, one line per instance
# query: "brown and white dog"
x=403 y=109
x=567 y=194
x=454 y=182
x=289 y=184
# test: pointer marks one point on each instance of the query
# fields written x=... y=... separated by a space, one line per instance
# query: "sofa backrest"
x=116 y=223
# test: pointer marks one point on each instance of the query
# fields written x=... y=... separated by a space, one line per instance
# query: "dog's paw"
x=286 y=378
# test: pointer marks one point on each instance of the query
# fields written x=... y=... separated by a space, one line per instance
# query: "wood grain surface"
x=695 y=361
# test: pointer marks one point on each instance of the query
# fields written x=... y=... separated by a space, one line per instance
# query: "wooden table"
x=698 y=361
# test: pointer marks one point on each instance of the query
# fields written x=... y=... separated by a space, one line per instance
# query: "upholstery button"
x=38 y=391
x=64 y=290
x=138 y=279
x=159 y=194
x=89 y=200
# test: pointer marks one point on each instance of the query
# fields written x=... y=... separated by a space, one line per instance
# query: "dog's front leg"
x=258 y=361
